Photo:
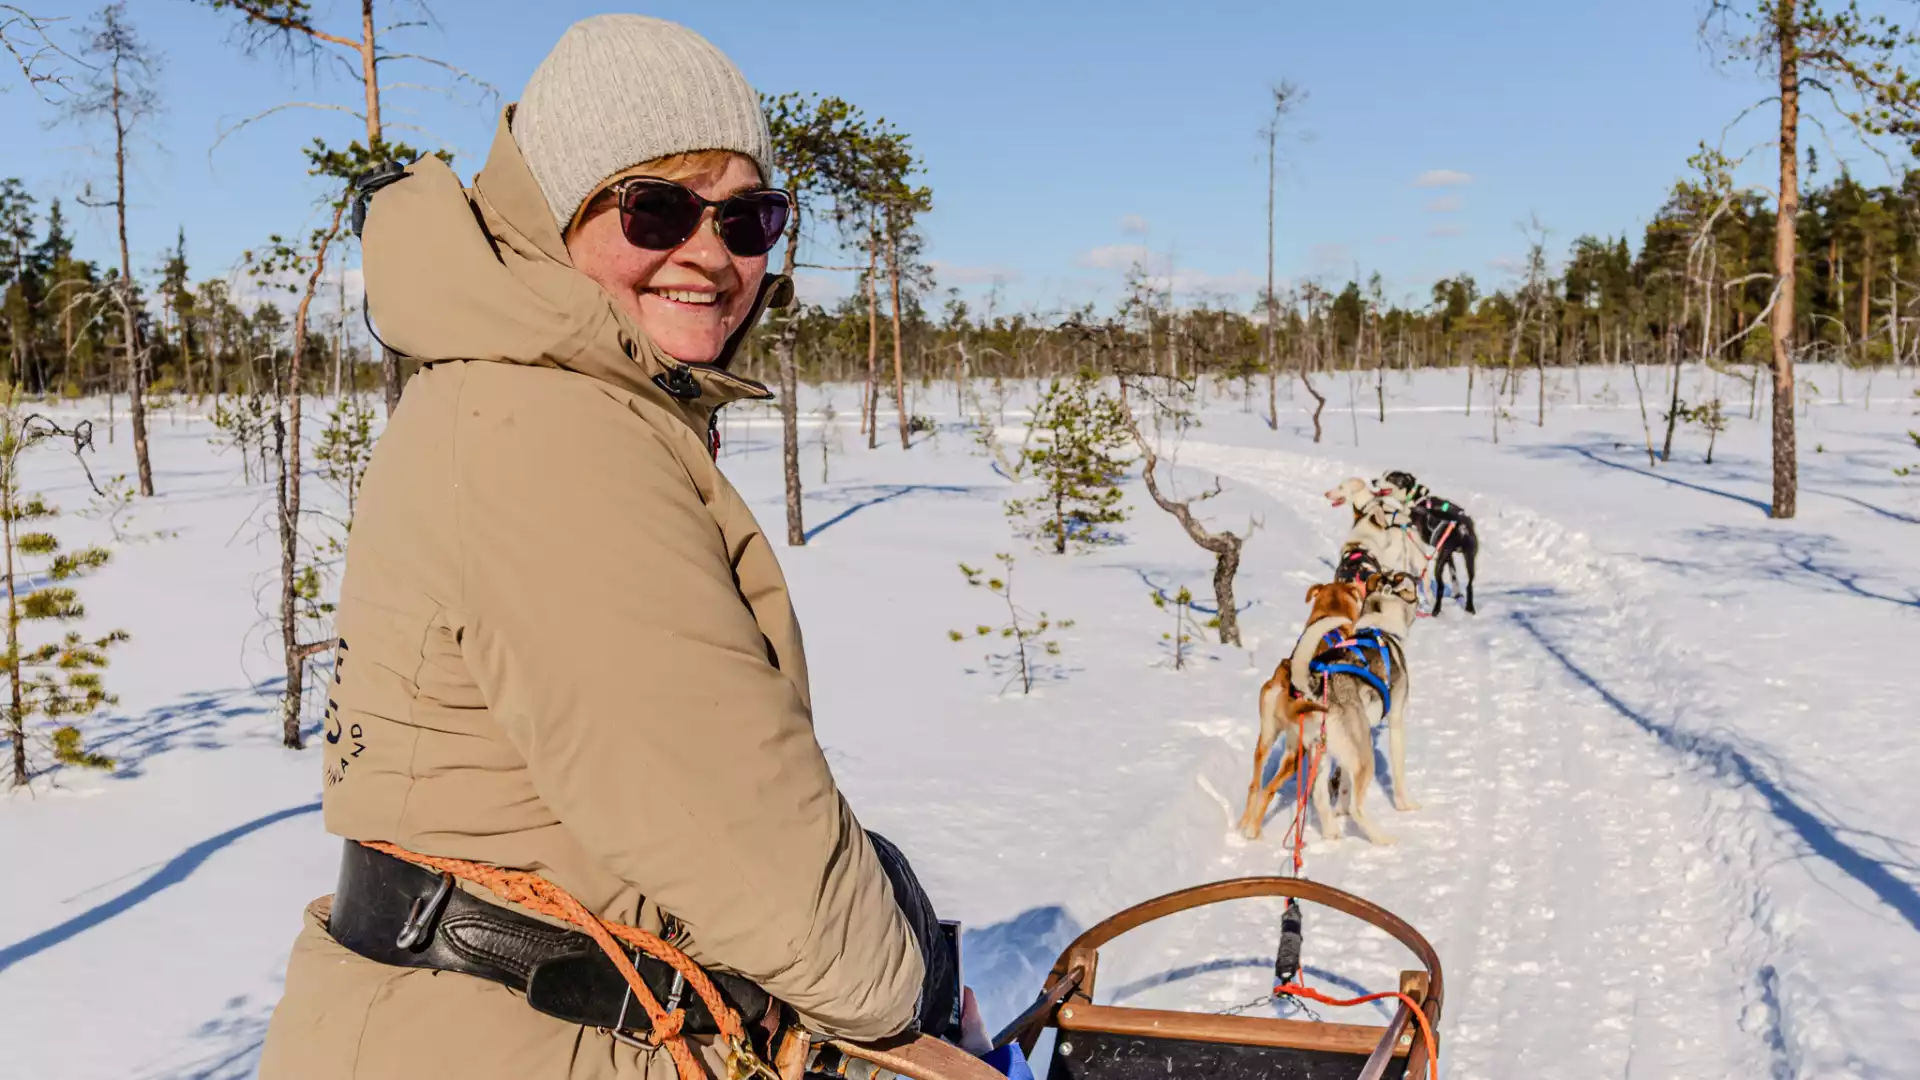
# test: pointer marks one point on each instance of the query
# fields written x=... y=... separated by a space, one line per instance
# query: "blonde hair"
x=680 y=168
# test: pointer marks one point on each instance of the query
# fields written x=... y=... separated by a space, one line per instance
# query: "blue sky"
x=1061 y=139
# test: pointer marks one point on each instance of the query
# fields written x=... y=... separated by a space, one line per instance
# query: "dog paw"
x=1405 y=805
x=1382 y=840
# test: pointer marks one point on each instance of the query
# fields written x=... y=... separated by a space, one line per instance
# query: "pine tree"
x=58 y=680
x=1029 y=633
x=1077 y=433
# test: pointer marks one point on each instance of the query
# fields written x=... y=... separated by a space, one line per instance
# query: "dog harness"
x=1348 y=656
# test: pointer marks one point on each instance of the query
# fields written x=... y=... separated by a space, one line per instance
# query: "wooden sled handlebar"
x=1067 y=1000
x=920 y=1058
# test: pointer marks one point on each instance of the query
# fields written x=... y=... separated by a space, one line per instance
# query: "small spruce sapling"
x=1709 y=417
x=58 y=680
x=244 y=426
x=829 y=437
x=1075 y=455
x=1179 y=640
x=1029 y=633
x=1909 y=470
x=345 y=448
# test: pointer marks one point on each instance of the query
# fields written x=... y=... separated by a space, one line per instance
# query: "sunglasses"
x=660 y=215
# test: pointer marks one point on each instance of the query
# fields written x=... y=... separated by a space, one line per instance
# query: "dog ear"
x=1313 y=591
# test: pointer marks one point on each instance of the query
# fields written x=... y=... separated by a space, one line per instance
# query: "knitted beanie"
x=619 y=90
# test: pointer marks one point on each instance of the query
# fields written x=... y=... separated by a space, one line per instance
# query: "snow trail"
x=1557 y=859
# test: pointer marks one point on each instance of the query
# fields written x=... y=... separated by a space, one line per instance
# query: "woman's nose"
x=705 y=248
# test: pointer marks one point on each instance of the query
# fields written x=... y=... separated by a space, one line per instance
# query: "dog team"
x=1348 y=671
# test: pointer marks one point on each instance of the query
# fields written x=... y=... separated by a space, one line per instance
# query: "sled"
x=1112 y=1042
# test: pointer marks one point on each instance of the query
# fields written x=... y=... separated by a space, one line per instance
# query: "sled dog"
x=1442 y=525
x=1381 y=525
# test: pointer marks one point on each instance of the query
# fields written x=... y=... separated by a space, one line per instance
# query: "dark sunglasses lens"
x=658 y=216
x=751 y=224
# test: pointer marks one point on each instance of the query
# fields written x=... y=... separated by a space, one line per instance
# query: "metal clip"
x=675 y=991
x=420 y=917
x=743 y=1063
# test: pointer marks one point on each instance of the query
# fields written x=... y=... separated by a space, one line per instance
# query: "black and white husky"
x=1444 y=526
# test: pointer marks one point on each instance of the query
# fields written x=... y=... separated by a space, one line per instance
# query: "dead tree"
x=1224 y=546
x=291 y=26
x=120 y=91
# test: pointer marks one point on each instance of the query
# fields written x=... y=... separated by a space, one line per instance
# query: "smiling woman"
x=642 y=238
x=573 y=661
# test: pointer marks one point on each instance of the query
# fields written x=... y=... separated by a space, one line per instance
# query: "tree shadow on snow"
x=171 y=873
x=1812 y=560
x=195 y=722
x=236 y=1037
x=875 y=494
x=1588 y=453
x=1730 y=762
x=1591 y=453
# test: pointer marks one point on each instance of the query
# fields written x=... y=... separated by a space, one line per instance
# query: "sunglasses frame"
x=619 y=192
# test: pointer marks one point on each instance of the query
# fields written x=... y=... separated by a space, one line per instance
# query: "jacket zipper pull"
x=713 y=434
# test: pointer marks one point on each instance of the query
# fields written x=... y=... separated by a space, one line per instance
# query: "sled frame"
x=1114 y=1042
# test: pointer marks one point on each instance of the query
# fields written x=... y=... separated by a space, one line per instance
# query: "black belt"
x=391 y=911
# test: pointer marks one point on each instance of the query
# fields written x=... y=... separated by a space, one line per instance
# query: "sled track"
x=1586 y=865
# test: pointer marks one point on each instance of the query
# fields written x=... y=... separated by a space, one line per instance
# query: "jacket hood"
x=454 y=273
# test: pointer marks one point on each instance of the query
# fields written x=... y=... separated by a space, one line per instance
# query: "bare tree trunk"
x=790 y=401
x=17 y=709
x=288 y=495
x=1473 y=362
x=870 y=404
x=1785 y=465
x=899 y=369
x=1273 y=404
x=136 y=356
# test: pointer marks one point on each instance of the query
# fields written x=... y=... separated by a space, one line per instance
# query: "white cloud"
x=1445 y=204
x=1446 y=230
x=1187 y=282
x=1442 y=178
x=951 y=274
x=1133 y=225
x=1117 y=257
x=1511 y=264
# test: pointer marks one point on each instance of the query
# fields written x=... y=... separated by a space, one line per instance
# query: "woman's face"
x=691 y=299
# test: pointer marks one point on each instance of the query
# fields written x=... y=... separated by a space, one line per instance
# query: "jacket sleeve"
x=607 y=632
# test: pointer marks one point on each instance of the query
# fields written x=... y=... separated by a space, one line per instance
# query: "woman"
x=565 y=645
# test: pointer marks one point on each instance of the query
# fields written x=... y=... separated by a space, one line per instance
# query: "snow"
x=1666 y=823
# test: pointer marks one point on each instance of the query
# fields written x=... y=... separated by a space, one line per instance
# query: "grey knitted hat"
x=622 y=89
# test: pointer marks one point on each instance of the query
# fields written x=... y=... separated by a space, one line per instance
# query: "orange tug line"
x=538 y=894
x=1419 y=1014
x=1303 y=779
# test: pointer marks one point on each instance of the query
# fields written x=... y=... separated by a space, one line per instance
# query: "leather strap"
x=393 y=912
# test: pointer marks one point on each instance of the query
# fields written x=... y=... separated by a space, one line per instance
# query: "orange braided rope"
x=1297 y=989
x=536 y=893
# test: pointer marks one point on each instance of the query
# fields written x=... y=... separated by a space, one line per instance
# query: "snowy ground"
x=1666 y=828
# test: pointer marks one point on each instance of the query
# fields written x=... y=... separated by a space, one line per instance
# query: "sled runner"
x=1111 y=1042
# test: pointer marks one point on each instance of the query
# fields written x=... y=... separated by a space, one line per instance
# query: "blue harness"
x=1347 y=656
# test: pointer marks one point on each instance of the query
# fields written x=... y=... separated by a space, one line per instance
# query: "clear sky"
x=1060 y=137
